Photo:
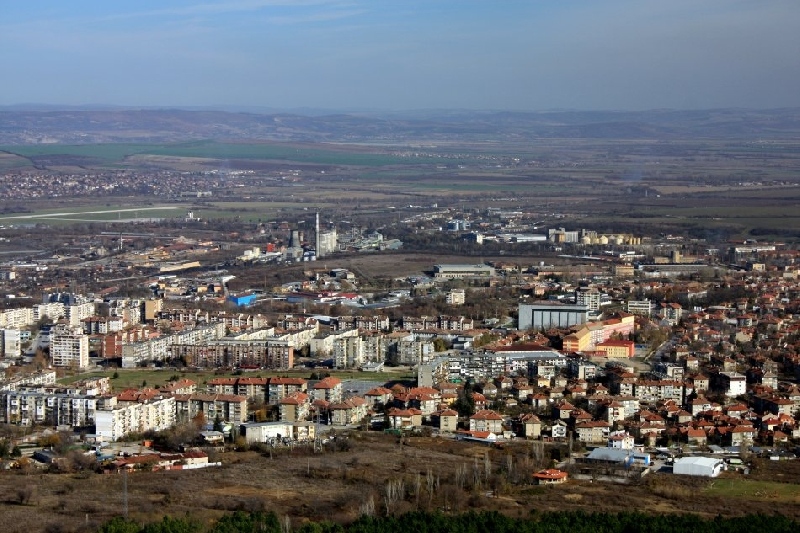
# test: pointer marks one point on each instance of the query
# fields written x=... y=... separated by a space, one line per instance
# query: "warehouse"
x=698 y=466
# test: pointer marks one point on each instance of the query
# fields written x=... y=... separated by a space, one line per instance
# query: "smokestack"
x=316 y=248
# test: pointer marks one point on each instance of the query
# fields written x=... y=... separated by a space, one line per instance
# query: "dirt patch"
x=434 y=474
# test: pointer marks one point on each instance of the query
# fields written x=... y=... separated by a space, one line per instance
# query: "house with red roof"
x=295 y=407
x=329 y=389
x=593 y=431
x=446 y=420
x=348 y=412
x=550 y=476
x=696 y=436
x=404 y=418
x=486 y=420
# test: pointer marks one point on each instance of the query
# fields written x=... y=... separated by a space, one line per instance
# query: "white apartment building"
x=16 y=318
x=69 y=347
x=414 y=352
x=589 y=297
x=373 y=348
x=10 y=343
x=348 y=352
x=323 y=345
x=43 y=377
x=157 y=415
x=55 y=409
x=75 y=313
x=158 y=349
x=51 y=310
x=640 y=307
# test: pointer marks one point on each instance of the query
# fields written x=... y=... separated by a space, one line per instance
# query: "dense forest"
x=421 y=522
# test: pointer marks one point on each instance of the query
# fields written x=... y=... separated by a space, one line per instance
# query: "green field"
x=755 y=490
x=218 y=150
x=106 y=152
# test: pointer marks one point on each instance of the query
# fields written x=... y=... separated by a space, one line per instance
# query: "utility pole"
x=125 y=493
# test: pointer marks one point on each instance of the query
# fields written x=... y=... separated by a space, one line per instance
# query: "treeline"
x=472 y=522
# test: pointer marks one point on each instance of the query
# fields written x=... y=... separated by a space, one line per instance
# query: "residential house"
x=404 y=418
x=295 y=407
x=486 y=420
x=593 y=432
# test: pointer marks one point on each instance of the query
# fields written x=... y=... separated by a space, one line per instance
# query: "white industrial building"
x=698 y=466
x=268 y=431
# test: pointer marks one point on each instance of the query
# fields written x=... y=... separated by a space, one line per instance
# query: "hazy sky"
x=403 y=54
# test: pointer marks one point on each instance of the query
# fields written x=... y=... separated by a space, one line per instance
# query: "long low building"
x=275 y=354
x=269 y=431
x=698 y=466
x=463 y=271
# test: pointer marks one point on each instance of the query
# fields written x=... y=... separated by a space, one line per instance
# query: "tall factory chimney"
x=317 y=249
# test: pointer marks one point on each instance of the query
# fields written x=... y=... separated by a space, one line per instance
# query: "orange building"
x=616 y=349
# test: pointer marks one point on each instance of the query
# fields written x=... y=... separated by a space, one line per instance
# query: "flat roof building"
x=551 y=315
x=463 y=271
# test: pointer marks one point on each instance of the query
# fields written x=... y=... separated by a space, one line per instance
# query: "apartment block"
x=157 y=414
x=69 y=347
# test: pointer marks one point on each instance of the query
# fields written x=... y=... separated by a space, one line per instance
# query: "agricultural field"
x=733 y=188
x=95 y=214
x=214 y=150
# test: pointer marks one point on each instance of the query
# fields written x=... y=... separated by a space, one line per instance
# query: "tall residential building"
x=588 y=296
x=10 y=343
x=77 y=312
x=69 y=347
x=152 y=308
x=17 y=318
x=348 y=352
x=51 y=310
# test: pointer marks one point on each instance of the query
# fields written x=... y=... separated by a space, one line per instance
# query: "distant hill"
x=34 y=125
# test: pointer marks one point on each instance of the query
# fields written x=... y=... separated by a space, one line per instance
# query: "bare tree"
x=286 y=524
x=430 y=484
x=461 y=476
x=368 y=507
x=537 y=452
x=394 y=491
x=417 y=487
x=476 y=475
